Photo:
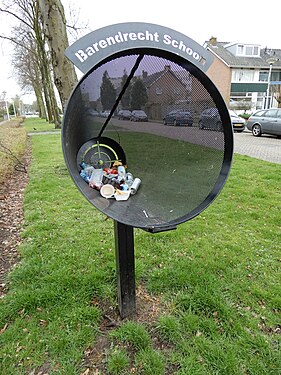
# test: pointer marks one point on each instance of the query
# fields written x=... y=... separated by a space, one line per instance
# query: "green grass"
x=35 y=125
x=118 y=361
x=218 y=277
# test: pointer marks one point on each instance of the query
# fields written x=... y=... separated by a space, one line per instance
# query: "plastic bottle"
x=129 y=179
x=122 y=171
x=96 y=178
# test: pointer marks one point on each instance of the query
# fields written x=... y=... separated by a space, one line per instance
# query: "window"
x=248 y=50
x=237 y=95
x=275 y=76
x=259 y=114
x=263 y=76
x=159 y=91
x=240 y=49
x=236 y=75
x=271 y=113
x=248 y=75
x=243 y=75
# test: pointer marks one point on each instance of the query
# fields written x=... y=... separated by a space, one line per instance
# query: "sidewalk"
x=266 y=147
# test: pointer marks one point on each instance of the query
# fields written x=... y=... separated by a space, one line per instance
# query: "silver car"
x=238 y=123
x=139 y=115
x=266 y=121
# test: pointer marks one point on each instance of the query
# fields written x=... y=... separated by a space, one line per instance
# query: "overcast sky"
x=244 y=21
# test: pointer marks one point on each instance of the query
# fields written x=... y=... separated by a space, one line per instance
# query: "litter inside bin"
x=124 y=184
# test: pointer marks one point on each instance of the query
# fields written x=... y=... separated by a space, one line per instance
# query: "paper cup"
x=107 y=191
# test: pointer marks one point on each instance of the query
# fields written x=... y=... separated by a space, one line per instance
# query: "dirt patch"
x=11 y=218
x=275 y=330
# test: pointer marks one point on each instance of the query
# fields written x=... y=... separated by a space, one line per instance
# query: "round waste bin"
x=153 y=110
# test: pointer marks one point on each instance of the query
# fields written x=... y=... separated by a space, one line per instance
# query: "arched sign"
x=100 y=44
x=146 y=104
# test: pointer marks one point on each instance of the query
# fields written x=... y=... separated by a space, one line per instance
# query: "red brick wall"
x=220 y=75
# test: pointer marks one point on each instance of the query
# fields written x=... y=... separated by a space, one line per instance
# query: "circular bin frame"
x=227 y=130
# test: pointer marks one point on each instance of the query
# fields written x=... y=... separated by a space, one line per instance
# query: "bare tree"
x=41 y=36
x=29 y=35
x=28 y=75
x=53 y=19
x=45 y=66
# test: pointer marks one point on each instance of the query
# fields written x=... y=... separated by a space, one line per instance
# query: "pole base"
x=125 y=269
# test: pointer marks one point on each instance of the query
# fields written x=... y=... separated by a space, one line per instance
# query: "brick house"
x=245 y=74
x=166 y=90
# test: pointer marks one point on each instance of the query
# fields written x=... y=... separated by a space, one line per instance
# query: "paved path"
x=266 y=147
x=44 y=133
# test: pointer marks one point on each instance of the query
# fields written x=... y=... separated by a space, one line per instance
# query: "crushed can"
x=135 y=186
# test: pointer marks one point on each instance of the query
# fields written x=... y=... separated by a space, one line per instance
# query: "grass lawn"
x=208 y=293
x=35 y=125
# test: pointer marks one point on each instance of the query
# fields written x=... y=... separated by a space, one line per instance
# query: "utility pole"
x=6 y=104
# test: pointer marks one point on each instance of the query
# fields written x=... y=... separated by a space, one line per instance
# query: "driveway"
x=266 y=147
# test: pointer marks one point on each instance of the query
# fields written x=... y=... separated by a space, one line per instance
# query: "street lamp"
x=6 y=104
x=7 y=110
x=270 y=61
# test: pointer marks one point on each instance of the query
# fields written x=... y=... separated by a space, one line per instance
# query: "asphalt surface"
x=266 y=147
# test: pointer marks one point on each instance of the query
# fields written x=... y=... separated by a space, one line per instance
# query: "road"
x=266 y=147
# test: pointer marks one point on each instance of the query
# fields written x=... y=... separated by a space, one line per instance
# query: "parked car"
x=138 y=115
x=124 y=114
x=104 y=113
x=92 y=112
x=266 y=121
x=210 y=119
x=178 y=117
x=238 y=123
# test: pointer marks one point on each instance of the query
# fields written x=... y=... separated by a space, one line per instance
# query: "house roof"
x=233 y=61
x=149 y=80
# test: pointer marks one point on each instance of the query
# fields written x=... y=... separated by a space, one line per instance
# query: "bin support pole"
x=125 y=268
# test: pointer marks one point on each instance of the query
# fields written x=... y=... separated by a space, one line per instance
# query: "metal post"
x=268 y=87
x=125 y=268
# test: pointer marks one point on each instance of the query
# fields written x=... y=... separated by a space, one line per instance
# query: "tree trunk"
x=45 y=68
x=55 y=29
x=39 y=99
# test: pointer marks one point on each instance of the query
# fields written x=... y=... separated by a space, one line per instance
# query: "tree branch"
x=19 y=166
x=17 y=43
x=14 y=15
